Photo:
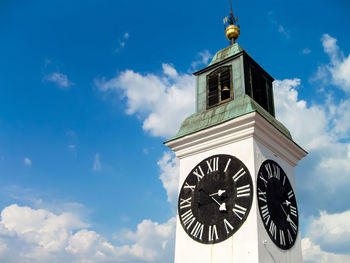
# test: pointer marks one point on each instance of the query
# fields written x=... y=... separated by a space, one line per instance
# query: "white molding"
x=240 y=128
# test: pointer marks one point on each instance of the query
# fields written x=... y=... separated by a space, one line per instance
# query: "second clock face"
x=215 y=199
x=277 y=204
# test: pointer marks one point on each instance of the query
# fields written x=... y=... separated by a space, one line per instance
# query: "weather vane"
x=232 y=30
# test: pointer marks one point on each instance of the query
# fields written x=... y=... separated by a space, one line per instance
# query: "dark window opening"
x=259 y=89
x=213 y=95
x=219 y=86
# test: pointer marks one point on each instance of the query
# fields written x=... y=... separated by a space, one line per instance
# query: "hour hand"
x=218 y=193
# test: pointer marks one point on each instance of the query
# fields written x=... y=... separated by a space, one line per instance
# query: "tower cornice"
x=250 y=125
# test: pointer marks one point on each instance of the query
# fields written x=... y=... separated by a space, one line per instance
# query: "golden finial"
x=232 y=30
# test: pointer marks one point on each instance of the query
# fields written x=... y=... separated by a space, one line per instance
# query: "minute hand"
x=222 y=207
x=284 y=211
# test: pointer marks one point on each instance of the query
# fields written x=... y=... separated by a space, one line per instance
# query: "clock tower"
x=237 y=196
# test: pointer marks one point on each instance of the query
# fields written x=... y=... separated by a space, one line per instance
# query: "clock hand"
x=219 y=192
x=288 y=217
x=285 y=212
x=287 y=203
x=222 y=207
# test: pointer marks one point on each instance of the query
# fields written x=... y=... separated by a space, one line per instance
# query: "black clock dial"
x=277 y=204
x=215 y=199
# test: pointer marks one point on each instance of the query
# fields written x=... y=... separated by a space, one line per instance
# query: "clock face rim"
x=233 y=167
x=272 y=206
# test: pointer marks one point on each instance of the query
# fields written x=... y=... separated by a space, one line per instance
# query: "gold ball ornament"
x=232 y=32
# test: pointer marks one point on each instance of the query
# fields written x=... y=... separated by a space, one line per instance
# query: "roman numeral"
x=284 y=180
x=213 y=233
x=227 y=164
x=261 y=176
x=199 y=174
x=293 y=225
x=239 y=174
x=282 y=238
x=293 y=211
x=213 y=165
x=262 y=195
x=276 y=172
x=273 y=172
x=197 y=230
x=239 y=210
x=265 y=214
x=290 y=239
x=187 y=186
x=273 y=229
x=228 y=226
x=290 y=194
x=185 y=203
x=187 y=218
x=243 y=191
x=269 y=170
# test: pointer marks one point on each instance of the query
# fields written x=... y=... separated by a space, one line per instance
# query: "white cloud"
x=330 y=46
x=40 y=226
x=153 y=242
x=122 y=42
x=169 y=166
x=341 y=118
x=297 y=115
x=328 y=239
x=322 y=128
x=88 y=246
x=38 y=235
x=318 y=128
x=34 y=235
x=337 y=71
x=170 y=71
x=306 y=51
x=162 y=101
x=203 y=59
x=61 y=80
x=27 y=161
x=312 y=253
x=331 y=231
x=280 y=28
x=97 y=163
x=284 y=31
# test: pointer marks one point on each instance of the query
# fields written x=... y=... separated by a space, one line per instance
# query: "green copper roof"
x=225 y=53
x=225 y=112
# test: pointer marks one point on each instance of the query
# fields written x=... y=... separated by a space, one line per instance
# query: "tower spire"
x=232 y=30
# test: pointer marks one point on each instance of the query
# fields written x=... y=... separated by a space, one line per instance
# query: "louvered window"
x=219 y=86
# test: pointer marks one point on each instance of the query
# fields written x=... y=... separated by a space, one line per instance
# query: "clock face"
x=215 y=199
x=277 y=204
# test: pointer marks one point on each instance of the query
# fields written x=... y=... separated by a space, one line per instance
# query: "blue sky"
x=91 y=89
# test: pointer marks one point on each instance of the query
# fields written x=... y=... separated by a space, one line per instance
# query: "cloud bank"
x=161 y=101
x=38 y=235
